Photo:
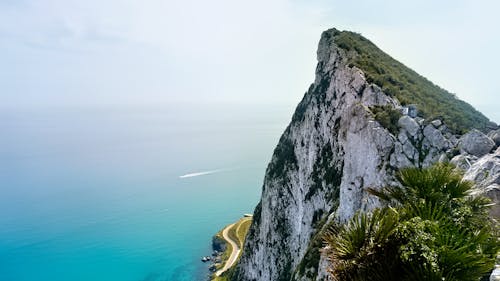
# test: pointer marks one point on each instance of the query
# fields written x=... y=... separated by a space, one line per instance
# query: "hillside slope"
x=348 y=133
x=399 y=81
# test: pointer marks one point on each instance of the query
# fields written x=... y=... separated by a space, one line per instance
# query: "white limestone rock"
x=323 y=274
x=435 y=137
x=399 y=159
x=409 y=124
x=485 y=172
x=436 y=123
x=431 y=157
x=476 y=143
x=411 y=152
x=443 y=128
x=402 y=136
x=495 y=136
x=452 y=139
x=463 y=161
x=419 y=120
x=443 y=158
x=495 y=275
x=331 y=152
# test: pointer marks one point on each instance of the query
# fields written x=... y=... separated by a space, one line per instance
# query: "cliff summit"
x=364 y=117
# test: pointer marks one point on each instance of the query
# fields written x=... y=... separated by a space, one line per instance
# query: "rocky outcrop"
x=332 y=151
x=486 y=173
x=329 y=154
x=494 y=135
x=218 y=244
x=476 y=143
x=409 y=124
x=495 y=275
x=463 y=161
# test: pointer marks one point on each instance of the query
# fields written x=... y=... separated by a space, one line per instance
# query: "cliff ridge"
x=350 y=132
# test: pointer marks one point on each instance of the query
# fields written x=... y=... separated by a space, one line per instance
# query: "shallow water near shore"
x=96 y=193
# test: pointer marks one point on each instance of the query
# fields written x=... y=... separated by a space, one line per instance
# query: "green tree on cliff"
x=431 y=229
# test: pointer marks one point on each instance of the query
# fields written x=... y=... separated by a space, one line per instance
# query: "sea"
x=128 y=193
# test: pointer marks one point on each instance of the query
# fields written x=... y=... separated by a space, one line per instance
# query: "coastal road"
x=234 y=253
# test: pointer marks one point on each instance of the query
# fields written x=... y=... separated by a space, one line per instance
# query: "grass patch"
x=283 y=158
x=237 y=233
x=407 y=86
x=387 y=116
x=242 y=230
x=227 y=252
x=223 y=277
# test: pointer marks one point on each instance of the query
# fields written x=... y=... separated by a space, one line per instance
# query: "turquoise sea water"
x=95 y=193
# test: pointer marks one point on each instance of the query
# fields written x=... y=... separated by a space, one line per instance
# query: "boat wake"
x=203 y=173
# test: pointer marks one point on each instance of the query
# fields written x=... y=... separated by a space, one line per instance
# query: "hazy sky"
x=124 y=52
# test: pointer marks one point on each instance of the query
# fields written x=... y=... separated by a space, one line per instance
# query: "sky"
x=61 y=53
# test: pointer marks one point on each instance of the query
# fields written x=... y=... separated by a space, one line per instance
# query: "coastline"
x=227 y=245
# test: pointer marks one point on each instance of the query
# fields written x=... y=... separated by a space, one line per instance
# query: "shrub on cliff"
x=387 y=116
x=409 y=87
x=431 y=229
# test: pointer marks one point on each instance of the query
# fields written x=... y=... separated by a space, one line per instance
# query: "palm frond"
x=433 y=228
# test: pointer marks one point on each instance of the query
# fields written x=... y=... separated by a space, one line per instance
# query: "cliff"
x=364 y=117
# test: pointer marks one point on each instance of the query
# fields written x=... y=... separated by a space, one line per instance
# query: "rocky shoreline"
x=215 y=258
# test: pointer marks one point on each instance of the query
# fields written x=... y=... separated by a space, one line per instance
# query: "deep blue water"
x=95 y=193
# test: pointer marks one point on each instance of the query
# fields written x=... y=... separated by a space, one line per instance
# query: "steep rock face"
x=330 y=153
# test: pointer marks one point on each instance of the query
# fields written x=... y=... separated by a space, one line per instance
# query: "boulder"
x=431 y=157
x=493 y=192
x=435 y=137
x=443 y=128
x=464 y=162
x=218 y=244
x=485 y=172
x=452 y=139
x=443 y=158
x=398 y=159
x=402 y=137
x=495 y=136
x=476 y=143
x=420 y=120
x=410 y=125
x=495 y=275
x=410 y=151
x=436 y=123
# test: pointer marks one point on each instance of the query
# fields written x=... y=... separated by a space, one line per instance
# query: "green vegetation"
x=284 y=156
x=227 y=252
x=308 y=266
x=238 y=234
x=242 y=230
x=223 y=277
x=325 y=175
x=239 y=231
x=432 y=229
x=409 y=87
x=387 y=116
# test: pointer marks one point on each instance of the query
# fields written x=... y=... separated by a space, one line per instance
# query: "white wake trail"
x=197 y=174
